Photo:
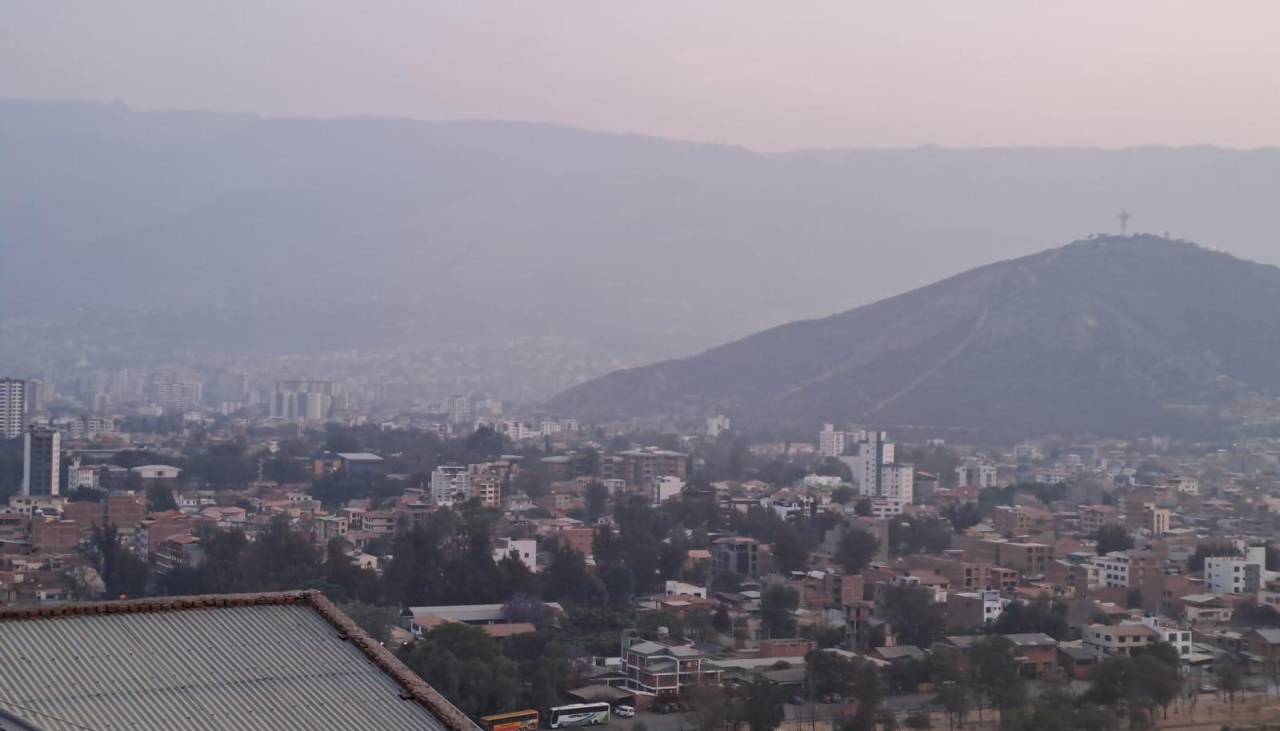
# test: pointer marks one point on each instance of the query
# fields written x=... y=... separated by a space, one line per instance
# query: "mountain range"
x=1111 y=335
x=208 y=232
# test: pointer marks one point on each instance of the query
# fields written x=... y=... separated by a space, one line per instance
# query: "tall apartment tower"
x=876 y=471
x=41 y=462
x=831 y=443
x=13 y=407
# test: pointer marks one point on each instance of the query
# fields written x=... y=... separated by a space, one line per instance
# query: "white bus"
x=579 y=714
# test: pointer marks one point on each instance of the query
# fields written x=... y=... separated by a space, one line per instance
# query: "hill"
x=1112 y=335
x=142 y=234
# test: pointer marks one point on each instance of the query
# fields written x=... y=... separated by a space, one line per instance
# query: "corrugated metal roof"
x=273 y=667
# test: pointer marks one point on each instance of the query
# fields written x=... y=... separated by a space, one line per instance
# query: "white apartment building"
x=976 y=474
x=1170 y=633
x=1113 y=569
x=1120 y=639
x=831 y=443
x=875 y=472
x=1237 y=575
x=13 y=407
x=450 y=484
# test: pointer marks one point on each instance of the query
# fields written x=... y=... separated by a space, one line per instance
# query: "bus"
x=580 y=714
x=514 y=721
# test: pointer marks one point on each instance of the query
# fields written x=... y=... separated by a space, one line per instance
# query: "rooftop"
x=360 y=456
x=279 y=661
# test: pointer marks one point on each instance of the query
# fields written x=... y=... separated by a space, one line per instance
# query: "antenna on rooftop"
x=1124 y=221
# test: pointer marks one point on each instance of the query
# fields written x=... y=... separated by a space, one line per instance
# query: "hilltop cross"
x=1124 y=221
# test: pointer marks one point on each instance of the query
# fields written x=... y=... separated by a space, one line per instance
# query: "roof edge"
x=415 y=688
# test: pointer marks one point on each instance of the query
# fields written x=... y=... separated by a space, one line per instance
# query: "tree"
x=1040 y=615
x=1156 y=670
x=1209 y=550
x=842 y=495
x=467 y=667
x=708 y=707
x=763 y=708
x=1230 y=678
x=777 y=604
x=996 y=672
x=280 y=559
x=856 y=549
x=830 y=673
x=160 y=499
x=721 y=621
x=915 y=617
x=374 y=620
x=954 y=699
x=124 y=574
x=596 y=501
x=1112 y=537
x=868 y=693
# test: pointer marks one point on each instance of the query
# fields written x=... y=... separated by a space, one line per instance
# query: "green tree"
x=280 y=559
x=777 y=606
x=995 y=672
x=124 y=574
x=160 y=499
x=762 y=709
x=856 y=549
x=1112 y=537
x=868 y=694
x=468 y=668
x=828 y=673
x=376 y=621
x=915 y=617
x=596 y=500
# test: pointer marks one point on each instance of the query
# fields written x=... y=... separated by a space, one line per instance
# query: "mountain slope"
x=203 y=232
x=1104 y=335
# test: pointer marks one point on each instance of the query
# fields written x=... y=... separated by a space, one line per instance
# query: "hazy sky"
x=770 y=75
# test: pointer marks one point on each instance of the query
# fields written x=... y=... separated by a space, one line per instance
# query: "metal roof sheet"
x=272 y=667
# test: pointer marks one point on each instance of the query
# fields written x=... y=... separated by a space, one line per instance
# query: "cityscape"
x=719 y=366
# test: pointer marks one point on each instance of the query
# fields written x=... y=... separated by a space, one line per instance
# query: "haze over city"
x=718 y=366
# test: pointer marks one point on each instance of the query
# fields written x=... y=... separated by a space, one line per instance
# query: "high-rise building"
x=37 y=394
x=13 y=407
x=41 y=461
x=831 y=443
x=302 y=399
x=875 y=470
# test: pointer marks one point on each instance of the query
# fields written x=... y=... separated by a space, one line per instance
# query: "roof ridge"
x=155 y=604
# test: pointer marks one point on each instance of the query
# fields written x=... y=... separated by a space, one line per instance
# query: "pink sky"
x=768 y=75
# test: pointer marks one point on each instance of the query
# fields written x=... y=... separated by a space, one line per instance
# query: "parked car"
x=624 y=711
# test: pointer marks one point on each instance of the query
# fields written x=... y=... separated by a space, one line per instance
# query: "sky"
x=765 y=75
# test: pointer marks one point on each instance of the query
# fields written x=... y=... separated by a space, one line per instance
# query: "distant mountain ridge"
x=1106 y=336
x=204 y=232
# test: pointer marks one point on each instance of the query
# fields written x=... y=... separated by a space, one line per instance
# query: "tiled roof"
x=279 y=661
